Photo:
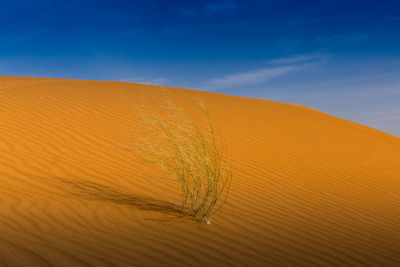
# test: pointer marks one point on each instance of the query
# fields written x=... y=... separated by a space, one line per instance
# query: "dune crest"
x=309 y=189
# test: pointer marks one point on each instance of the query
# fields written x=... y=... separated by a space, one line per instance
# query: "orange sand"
x=308 y=189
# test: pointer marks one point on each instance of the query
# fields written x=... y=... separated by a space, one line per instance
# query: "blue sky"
x=342 y=57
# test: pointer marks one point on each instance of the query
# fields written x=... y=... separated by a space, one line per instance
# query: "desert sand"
x=308 y=189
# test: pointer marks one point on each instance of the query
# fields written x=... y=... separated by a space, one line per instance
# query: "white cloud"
x=386 y=121
x=279 y=67
x=369 y=103
x=156 y=81
x=248 y=78
x=320 y=58
x=384 y=116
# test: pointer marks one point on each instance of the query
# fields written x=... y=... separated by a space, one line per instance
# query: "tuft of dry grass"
x=193 y=156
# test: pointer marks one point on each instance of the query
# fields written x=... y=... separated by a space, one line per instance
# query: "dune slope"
x=309 y=189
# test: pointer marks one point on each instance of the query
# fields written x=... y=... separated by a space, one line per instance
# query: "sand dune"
x=309 y=189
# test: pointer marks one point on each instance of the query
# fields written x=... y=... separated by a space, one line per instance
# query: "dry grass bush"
x=193 y=156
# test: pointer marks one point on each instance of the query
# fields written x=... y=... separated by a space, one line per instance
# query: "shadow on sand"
x=100 y=192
